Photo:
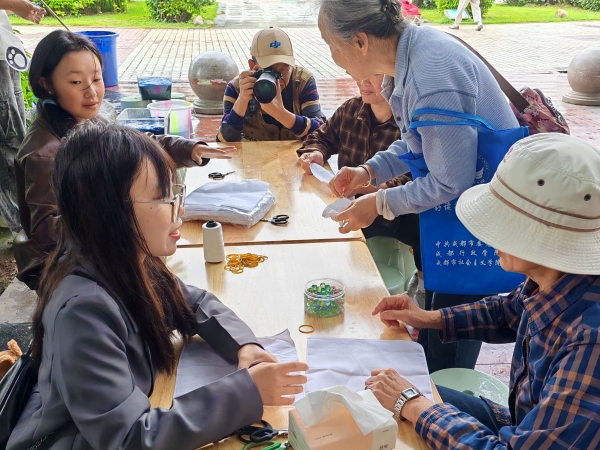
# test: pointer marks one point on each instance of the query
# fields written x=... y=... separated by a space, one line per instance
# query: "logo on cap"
x=275 y=44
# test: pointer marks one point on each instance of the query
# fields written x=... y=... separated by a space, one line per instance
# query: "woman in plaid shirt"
x=541 y=211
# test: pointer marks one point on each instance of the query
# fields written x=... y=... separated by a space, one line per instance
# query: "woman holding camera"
x=286 y=107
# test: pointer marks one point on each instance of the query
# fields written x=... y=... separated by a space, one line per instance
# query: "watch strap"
x=402 y=401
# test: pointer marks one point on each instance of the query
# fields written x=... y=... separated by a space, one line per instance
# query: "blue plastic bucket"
x=106 y=42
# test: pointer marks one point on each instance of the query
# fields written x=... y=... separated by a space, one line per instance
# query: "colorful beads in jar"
x=324 y=297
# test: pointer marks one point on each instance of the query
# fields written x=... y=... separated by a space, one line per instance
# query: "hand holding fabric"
x=347 y=180
x=360 y=214
x=312 y=157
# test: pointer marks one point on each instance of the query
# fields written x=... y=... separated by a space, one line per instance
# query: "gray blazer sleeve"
x=94 y=378
x=217 y=324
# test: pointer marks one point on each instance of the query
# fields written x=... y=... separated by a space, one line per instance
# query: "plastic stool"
x=474 y=383
x=393 y=265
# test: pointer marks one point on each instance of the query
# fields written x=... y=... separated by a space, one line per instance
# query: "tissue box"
x=340 y=431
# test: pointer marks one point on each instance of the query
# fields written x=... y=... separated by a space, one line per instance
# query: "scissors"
x=270 y=445
x=218 y=175
x=280 y=219
x=256 y=434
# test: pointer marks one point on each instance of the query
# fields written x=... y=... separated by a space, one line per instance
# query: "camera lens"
x=265 y=88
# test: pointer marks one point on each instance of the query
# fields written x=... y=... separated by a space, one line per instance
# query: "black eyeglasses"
x=177 y=202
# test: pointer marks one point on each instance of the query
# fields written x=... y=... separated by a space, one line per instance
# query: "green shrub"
x=176 y=10
x=78 y=7
x=424 y=4
x=592 y=5
x=453 y=4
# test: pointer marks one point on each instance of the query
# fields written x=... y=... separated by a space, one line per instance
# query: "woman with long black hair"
x=66 y=77
x=109 y=308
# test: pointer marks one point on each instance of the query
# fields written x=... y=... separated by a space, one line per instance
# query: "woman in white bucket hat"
x=541 y=211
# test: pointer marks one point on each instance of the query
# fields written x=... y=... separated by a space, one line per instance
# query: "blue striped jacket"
x=554 y=398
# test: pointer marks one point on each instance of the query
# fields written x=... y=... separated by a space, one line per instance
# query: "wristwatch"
x=405 y=396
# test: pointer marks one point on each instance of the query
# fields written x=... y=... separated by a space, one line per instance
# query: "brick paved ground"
x=528 y=54
x=552 y=46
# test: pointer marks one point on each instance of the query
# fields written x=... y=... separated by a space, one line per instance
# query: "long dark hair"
x=47 y=55
x=95 y=168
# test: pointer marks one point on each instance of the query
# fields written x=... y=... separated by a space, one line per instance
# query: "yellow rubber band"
x=309 y=328
x=236 y=262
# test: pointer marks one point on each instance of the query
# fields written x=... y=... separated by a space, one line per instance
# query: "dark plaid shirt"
x=354 y=134
x=554 y=398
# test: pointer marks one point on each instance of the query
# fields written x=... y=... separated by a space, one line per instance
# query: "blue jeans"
x=471 y=405
x=440 y=356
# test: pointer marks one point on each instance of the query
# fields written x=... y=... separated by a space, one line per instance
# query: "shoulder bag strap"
x=466 y=119
x=513 y=95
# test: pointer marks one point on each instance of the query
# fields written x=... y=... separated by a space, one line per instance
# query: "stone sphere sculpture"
x=584 y=78
x=208 y=75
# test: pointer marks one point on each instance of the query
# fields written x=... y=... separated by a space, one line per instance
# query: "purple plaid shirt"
x=554 y=398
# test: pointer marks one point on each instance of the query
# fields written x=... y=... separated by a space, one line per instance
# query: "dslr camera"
x=265 y=88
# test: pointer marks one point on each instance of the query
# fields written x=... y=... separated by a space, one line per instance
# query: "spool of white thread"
x=212 y=240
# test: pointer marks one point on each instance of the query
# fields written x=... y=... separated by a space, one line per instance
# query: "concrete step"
x=17 y=304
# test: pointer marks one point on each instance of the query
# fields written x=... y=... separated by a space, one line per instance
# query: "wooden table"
x=298 y=195
x=270 y=298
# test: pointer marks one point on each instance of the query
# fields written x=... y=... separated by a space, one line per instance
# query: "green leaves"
x=176 y=10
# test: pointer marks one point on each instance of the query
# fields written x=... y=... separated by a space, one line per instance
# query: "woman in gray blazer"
x=109 y=309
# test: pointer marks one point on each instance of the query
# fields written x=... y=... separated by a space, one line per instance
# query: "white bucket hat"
x=542 y=205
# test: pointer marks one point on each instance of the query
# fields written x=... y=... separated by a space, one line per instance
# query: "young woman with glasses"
x=109 y=309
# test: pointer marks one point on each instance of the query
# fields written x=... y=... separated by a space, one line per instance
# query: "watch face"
x=410 y=392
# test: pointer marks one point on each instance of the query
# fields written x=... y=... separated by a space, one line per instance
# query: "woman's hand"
x=387 y=386
x=251 y=354
x=247 y=82
x=360 y=214
x=274 y=381
x=204 y=151
x=347 y=180
x=277 y=110
x=27 y=10
x=402 y=308
x=311 y=157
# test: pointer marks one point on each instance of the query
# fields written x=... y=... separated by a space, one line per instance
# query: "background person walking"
x=475 y=9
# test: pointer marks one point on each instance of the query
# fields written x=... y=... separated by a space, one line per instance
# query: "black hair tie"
x=392 y=9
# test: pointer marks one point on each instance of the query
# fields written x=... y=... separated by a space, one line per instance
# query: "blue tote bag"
x=454 y=261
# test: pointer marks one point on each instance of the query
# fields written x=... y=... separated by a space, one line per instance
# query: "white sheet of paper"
x=333 y=163
x=242 y=195
x=349 y=362
x=199 y=365
x=321 y=173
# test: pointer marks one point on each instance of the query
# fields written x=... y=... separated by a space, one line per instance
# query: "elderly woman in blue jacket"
x=424 y=68
x=541 y=212
x=109 y=309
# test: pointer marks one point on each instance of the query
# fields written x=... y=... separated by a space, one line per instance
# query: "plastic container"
x=155 y=85
x=106 y=42
x=324 y=297
x=179 y=113
x=177 y=96
x=133 y=101
x=142 y=119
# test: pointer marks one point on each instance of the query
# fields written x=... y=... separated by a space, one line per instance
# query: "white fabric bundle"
x=237 y=202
